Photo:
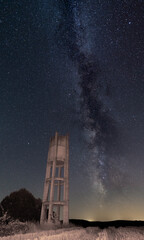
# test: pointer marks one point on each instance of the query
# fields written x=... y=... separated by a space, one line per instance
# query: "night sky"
x=75 y=66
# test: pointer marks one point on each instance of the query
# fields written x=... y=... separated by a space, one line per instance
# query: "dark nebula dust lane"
x=75 y=66
x=100 y=126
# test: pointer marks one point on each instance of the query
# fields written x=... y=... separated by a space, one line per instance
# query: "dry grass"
x=78 y=233
x=13 y=228
x=126 y=233
x=60 y=234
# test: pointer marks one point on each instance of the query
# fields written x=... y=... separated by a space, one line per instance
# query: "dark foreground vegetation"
x=9 y=226
x=21 y=205
x=17 y=210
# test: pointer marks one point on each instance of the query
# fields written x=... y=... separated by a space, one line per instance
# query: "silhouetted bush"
x=1 y=211
x=22 y=205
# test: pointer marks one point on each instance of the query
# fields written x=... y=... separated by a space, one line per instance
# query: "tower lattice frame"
x=55 y=204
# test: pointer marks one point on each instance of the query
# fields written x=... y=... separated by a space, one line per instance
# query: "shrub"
x=22 y=205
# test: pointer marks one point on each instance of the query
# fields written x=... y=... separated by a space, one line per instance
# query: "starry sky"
x=75 y=66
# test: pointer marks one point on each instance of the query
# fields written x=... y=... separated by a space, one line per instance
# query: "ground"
x=79 y=233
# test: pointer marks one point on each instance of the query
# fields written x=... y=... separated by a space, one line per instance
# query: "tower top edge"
x=59 y=137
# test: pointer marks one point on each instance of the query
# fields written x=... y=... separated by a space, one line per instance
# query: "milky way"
x=98 y=125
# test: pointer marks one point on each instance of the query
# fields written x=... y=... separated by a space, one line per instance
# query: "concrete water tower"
x=55 y=204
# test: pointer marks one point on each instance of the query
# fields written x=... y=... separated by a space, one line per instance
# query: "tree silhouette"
x=1 y=211
x=22 y=205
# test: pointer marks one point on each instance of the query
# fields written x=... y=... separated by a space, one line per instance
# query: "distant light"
x=90 y=220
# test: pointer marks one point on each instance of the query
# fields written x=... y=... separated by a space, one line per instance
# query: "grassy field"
x=79 y=233
x=60 y=234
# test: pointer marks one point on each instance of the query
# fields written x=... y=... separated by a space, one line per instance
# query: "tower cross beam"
x=56 y=186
